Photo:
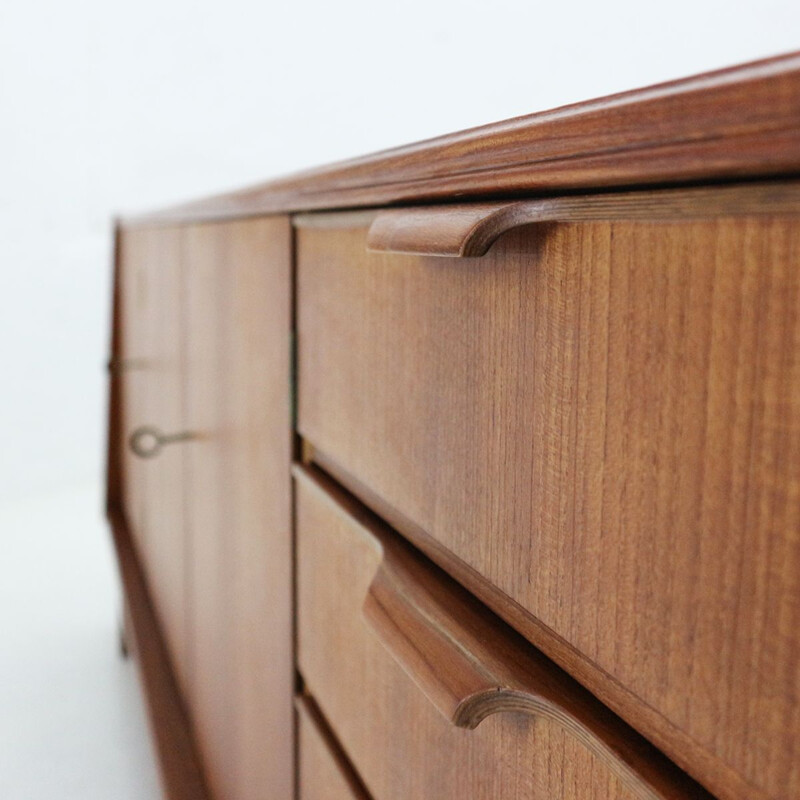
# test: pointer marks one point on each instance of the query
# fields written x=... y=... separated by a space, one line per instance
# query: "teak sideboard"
x=471 y=470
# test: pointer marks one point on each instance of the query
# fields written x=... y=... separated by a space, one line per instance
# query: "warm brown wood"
x=202 y=344
x=597 y=427
x=324 y=772
x=237 y=296
x=180 y=771
x=734 y=123
x=469 y=230
x=150 y=366
x=179 y=763
x=135 y=317
x=470 y=665
x=564 y=743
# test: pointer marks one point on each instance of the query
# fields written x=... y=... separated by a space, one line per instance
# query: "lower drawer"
x=431 y=695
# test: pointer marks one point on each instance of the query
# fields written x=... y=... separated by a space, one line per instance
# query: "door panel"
x=237 y=295
x=137 y=251
x=152 y=365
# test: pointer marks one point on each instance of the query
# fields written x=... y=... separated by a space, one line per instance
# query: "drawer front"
x=321 y=773
x=431 y=695
x=596 y=426
x=152 y=366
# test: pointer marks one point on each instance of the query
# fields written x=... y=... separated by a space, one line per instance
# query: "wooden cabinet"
x=544 y=426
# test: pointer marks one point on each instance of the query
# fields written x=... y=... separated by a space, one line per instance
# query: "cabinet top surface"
x=733 y=124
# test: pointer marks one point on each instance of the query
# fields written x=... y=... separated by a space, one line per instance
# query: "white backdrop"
x=108 y=106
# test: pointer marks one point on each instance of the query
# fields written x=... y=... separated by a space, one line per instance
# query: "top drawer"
x=596 y=426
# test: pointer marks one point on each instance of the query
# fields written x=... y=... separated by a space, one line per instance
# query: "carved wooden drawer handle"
x=456 y=231
x=470 y=665
x=469 y=230
x=147 y=440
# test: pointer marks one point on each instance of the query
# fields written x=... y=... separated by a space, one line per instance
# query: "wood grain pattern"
x=733 y=123
x=470 y=665
x=324 y=772
x=179 y=763
x=136 y=319
x=469 y=230
x=151 y=365
x=569 y=745
x=597 y=428
x=237 y=294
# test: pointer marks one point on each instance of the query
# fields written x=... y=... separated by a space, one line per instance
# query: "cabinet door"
x=152 y=365
x=134 y=359
x=237 y=295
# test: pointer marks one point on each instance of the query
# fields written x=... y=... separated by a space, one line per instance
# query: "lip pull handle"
x=454 y=231
x=468 y=230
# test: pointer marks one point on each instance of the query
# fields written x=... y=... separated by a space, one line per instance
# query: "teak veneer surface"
x=238 y=504
x=596 y=427
x=733 y=123
x=205 y=316
x=152 y=367
x=181 y=772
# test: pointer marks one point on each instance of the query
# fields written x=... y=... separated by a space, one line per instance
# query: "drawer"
x=595 y=427
x=430 y=694
x=323 y=774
